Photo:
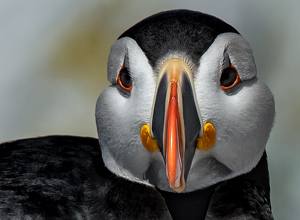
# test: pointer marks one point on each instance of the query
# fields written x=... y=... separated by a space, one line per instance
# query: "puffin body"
x=182 y=134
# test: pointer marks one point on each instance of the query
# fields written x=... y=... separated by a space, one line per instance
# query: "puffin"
x=182 y=134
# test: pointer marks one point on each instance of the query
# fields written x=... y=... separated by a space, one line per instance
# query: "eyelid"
x=237 y=80
x=226 y=61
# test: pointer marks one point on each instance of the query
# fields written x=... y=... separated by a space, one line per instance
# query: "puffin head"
x=185 y=108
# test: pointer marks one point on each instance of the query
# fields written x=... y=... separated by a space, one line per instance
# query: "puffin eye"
x=124 y=79
x=229 y=78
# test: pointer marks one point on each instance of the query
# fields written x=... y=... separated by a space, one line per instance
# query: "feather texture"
x=64 y=177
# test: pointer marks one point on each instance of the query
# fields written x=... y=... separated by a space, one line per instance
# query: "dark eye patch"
x=229 y=78
x=124 y=79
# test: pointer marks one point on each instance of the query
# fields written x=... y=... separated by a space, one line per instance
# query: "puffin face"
x=185 y=109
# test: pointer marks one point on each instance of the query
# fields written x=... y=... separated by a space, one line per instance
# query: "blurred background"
x=53 y=58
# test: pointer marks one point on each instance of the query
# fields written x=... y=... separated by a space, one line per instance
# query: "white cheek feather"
x=243 y=120
x=120 y=117
x=242 y=132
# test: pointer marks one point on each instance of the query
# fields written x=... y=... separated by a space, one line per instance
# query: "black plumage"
x=185 y=31
x=64 y=177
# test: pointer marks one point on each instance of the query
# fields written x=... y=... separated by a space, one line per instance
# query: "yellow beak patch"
x=148 y=142
x=208 y=138
x=205 y=142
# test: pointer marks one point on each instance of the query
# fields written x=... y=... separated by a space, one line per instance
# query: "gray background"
x=53 y=58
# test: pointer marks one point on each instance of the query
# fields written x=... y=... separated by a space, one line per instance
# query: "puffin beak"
x=176 y=120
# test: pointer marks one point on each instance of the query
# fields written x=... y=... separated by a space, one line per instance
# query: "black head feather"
x=185 y=31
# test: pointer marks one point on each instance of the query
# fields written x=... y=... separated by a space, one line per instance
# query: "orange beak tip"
x=178 y=189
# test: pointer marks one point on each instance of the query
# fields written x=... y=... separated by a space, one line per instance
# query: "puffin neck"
x=191 y=205
x=260 y=175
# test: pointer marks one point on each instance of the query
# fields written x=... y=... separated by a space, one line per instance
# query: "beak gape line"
x=176 y=125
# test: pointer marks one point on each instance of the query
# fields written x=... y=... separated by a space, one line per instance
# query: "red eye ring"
x=231 y=82
x=124 y=79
